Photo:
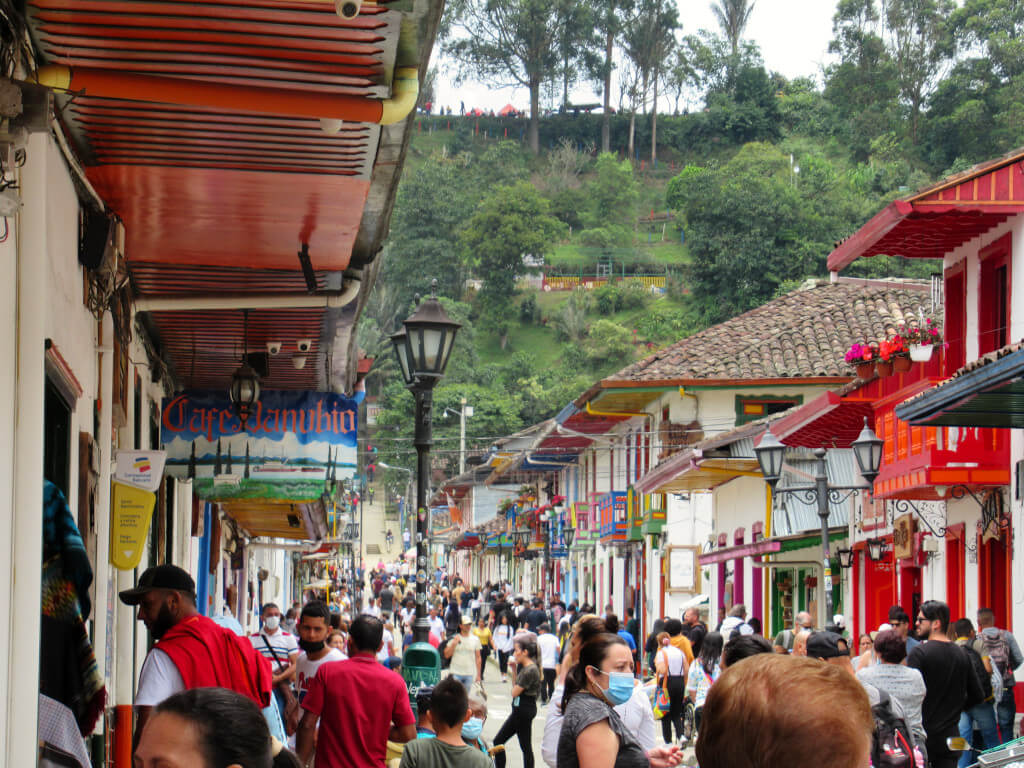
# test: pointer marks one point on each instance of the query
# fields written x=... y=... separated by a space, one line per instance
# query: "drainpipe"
x=253 y=301
x=245 y=98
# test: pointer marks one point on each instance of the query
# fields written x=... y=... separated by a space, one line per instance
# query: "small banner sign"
x=292 y=443
x=131 y=512
x=143 y=469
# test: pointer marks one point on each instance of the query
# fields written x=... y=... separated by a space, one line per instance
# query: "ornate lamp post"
x=423 y=348
x=867 y=449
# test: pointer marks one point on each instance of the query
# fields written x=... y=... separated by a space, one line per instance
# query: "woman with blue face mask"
x=593 y=735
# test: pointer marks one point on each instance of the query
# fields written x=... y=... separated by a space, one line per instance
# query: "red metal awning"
x=828 y=421
x=218 y=198
x=940 y=218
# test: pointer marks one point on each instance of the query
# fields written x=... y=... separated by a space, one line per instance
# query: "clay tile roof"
x=804 y=333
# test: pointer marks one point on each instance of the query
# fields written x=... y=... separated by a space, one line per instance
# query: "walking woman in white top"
x=501 y=641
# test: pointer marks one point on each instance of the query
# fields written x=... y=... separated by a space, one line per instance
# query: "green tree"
x=648 y=41
x=608 y=340
x=738 y=259
x=732 y=16
x=921 y=48
x=977 y=111
x=612 y=16
x=512 y=221
x=578 y=43
x=613 y=193
x=512 y=42
x=863 y=84
x=423 y=243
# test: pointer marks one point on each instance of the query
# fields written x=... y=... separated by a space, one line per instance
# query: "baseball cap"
x=159 y=577
x=827 y=645
x=465 y=619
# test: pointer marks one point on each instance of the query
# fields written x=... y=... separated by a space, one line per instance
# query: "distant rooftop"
x=803 y=334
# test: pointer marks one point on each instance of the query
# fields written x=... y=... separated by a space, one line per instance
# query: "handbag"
x=292 y=710
x=662 y=704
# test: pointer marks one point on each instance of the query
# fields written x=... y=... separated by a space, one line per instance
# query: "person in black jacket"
x=952 y=683
x=981 y=716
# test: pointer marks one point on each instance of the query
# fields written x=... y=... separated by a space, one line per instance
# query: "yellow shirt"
x=484 y=635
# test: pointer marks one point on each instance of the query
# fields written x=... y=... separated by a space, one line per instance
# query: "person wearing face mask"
x=314 y=626
x=281 y=649
x=192 y=650
x=593 y=735
x=473 y=729
x=450 y=713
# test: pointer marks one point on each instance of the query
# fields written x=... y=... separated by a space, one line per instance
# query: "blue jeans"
x=1006 y=709
x=983 y=717
x=466 y=680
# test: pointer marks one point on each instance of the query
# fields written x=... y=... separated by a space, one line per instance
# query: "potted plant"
x=893 y=352
x=862 y=357
x=921 y=338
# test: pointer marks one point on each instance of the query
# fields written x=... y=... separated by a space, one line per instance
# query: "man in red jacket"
x=192 y=651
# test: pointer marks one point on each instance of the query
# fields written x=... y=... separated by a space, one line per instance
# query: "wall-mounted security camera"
x=304 y=345
x=274 y=347
x=348 y=9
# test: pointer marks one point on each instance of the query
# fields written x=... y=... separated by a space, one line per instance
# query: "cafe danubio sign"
x=291 y=444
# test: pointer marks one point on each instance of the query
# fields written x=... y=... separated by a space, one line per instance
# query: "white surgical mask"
x=272 y=622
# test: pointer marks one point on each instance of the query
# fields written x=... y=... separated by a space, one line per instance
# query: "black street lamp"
x=569 y=534
x=423 y=348
x=867 y=449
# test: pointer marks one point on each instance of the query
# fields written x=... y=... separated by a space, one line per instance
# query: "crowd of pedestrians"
x=318 y=684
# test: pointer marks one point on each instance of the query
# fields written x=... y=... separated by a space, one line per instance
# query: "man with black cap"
x=192 y=651
x=832 y=648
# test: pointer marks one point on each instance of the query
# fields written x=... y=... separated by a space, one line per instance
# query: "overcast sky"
x=793 y=35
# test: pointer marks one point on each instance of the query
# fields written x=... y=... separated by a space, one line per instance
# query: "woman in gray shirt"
x=901 y=682
x=593 y=735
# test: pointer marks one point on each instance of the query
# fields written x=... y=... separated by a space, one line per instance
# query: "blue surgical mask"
x=472 y=728
x=620 y=687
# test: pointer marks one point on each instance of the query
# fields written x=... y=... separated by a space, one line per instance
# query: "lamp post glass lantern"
x=867 y=449
x=245 y=382
x=845 y=558
x=876 y=549
x=423 y=348
x=770 y=455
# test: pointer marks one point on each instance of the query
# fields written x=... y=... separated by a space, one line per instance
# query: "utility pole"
x=462 y=436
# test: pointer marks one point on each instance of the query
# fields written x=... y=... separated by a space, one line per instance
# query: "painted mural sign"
x=292 y=444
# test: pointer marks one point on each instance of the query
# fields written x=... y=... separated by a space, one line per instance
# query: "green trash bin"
x=421 y=667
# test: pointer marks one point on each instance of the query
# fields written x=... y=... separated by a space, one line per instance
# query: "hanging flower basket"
x=884 y=367
x=921 y=353
x=865 y=370
x=902 y=363
x=862 y=357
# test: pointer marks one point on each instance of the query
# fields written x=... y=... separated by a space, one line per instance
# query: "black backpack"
x=890 y=742
x=983 y=675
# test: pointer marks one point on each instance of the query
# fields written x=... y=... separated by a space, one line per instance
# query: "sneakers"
x=504 y=679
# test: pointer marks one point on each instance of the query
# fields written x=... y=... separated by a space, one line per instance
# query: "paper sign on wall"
x=130 y=515
x=143 y=469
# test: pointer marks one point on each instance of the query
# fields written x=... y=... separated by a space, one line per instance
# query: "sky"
x=793 y=36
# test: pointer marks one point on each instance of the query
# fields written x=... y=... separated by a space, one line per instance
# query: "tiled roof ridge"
x=822 y=317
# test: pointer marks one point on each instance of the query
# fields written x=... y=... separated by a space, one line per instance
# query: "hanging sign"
x=293 y=442
x=143 y=469
x=903 y=537
x=130 y=515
